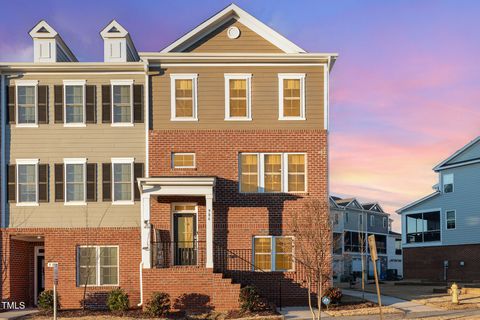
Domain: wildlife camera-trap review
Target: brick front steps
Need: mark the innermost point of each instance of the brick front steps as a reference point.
(192, 288)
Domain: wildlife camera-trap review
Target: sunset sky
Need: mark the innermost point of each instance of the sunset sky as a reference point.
(405, 90)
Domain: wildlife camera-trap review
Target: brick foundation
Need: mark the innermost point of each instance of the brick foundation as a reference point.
(416, 266)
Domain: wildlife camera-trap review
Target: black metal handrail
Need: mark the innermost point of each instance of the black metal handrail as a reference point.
(178, 253)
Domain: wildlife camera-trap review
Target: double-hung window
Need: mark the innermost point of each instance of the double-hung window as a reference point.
(74, 102)
(450, 218)
(273, 253)
(291, 89)
(75, 177)
(97, 266)
(27, 114)
(27, 181)
(448, 183)
(122, 106)
(183, 97)
(238, 97)
(272, 172)
(122, 180)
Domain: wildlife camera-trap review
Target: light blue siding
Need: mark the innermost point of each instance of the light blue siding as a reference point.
(469, 154)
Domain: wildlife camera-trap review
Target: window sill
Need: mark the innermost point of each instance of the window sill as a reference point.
(97, 285)
(183, 168)
(74, 125)
(183, 119)
(238, 119)
(122, 203)
(27, 204)
(75, 203)
(292, 118)
(122, 124)
(26, 126)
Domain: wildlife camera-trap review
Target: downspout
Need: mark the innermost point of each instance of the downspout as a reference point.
(3, 186)
(147, 117)
(141, 285)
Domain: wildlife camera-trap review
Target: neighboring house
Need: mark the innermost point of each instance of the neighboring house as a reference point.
(235, 143)
(353, 222)
(444, 226)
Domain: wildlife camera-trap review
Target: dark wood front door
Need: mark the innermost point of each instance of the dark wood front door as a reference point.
(184, 232)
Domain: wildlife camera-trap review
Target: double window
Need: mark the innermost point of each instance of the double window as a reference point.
(27, 103)
(182, 160)
(97, 266)
(273, 253)
(122, 102)
(291, 96)
(75, 177)
(184, 97)
(238, 97)
(74, 103)
(272, 172)
(122, 180)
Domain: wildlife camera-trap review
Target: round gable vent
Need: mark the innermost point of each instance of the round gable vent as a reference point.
(233, 32)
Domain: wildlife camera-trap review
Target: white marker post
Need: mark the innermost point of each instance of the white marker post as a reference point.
(54, 265)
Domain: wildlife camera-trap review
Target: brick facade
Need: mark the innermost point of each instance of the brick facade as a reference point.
(415, 266)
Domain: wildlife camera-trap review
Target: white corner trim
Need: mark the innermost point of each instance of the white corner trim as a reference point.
(3, 169)
(326, 98)
(183, 76)
(296, 76)
(238, 76)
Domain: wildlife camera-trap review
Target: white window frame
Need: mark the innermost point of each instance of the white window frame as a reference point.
(238, 76)
(294, 76)
(273, 253)
(67, 83)
(19, 162)
(183, 154)
(454, 219)
(130, 161)
(82, 161)
(183, 76)
(443, 182)
(114, 83)
(97, 263)
(26, 83)
(261, 172)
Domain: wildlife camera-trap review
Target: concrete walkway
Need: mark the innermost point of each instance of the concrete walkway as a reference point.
(16, 314)
(404, 305)
(299, 313)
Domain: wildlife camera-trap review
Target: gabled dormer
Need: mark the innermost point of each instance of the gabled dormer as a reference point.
(48, 45)
(117, 43)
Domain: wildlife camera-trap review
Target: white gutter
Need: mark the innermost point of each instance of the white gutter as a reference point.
(141, 285)
(3, 185)
(147, 118)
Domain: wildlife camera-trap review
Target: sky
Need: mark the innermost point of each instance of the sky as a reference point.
(404, 91)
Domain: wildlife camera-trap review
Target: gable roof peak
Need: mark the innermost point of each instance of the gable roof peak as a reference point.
(232, 11)
(114, 30)
(445, 163)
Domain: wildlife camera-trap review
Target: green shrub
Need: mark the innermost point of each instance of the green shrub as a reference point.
(45, 300)
(250, 299)
(335, 294)
(117, 300)
(159, 304)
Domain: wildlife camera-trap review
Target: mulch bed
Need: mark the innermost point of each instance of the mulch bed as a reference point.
(351, 306)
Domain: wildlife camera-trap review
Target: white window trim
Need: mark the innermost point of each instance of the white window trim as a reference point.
(26, 83)
(129, 161)
(443, 182)
(97, 262)
(285, 76)
(261, 171)
(74, 83)
(184, 167)
(180, 76)
(122, 83)
(238, 76)
(454, 219)
(273, 253)
(75, 161)
(26, 162)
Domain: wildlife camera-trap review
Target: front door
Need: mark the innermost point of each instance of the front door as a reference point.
(39, 271)
(185, 247)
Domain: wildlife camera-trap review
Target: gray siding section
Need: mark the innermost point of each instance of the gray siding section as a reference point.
(465, 200)
(353, 222)
(471, 153)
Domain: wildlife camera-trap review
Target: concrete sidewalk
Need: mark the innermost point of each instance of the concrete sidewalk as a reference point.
(16, 314)
(299, 313)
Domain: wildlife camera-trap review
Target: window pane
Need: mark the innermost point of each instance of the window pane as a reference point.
(122, 108)
(75, 182)
(273, 172)
(296, 172)
(283, 262)
(184, 98)
(183, 160)
(74, 104)
(283, 253)
(122, 177)
(263, 253)
(27, 183)
(238, 97)
(108, 265)
(26, 104)
(249, 173)
(87, 266)
(291, 98)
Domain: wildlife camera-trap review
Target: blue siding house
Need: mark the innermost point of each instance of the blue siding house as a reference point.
(441, 232)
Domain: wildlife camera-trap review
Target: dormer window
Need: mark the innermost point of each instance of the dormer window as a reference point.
(448, 183)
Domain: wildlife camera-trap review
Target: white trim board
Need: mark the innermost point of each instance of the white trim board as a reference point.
(235, 12)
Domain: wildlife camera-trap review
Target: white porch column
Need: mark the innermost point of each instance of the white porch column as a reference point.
(146, 231)
(209, 229)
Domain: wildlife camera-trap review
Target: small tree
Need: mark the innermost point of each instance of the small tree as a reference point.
(312, 229)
